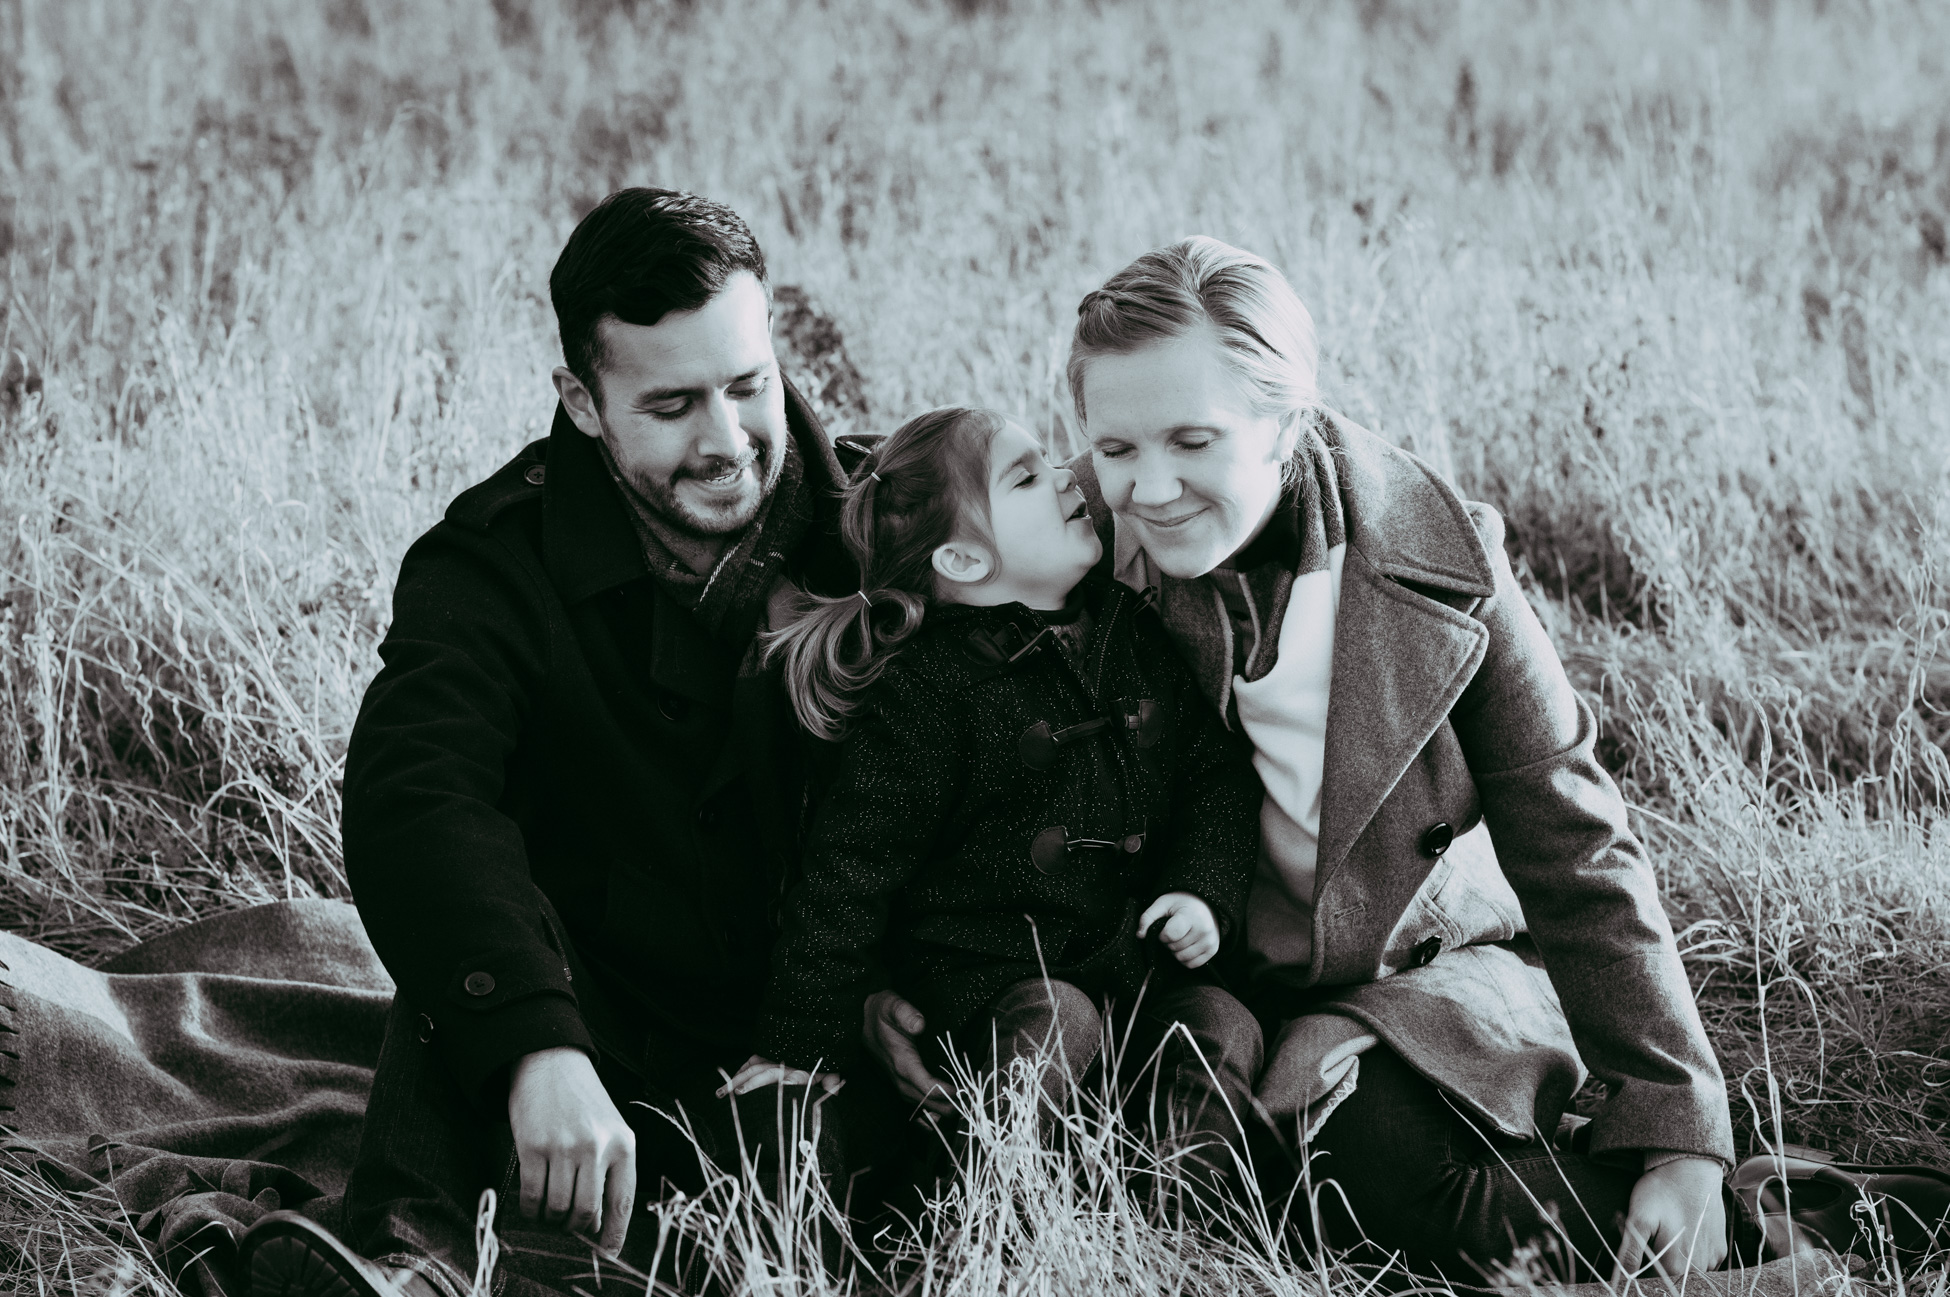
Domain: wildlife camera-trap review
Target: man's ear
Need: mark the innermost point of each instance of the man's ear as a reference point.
(579, 401)
(963, 562)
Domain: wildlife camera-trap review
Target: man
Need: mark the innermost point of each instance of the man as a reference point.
(571, 796)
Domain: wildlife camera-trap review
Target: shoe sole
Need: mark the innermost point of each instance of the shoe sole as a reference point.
(292, 1267)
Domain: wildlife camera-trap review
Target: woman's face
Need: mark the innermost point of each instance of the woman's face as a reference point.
(1180, 453)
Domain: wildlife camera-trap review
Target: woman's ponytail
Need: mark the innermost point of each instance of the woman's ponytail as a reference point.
(926, 482)
(836, 648)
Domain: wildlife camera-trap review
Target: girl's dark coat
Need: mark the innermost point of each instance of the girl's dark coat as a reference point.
(919, 872)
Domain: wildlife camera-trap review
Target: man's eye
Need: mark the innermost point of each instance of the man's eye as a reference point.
(748, 391)
(668, 412)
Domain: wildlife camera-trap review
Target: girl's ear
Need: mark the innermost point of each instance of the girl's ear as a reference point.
(964, 562)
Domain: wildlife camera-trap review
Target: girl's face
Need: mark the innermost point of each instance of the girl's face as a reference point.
(1043, 543)
(1180, 453)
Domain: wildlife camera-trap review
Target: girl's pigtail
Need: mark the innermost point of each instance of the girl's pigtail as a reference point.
(893, 515)
(835, 648)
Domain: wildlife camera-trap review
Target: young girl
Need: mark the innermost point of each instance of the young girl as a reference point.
(1030, 784)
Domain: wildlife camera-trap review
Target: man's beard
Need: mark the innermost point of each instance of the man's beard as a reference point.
(663, 497)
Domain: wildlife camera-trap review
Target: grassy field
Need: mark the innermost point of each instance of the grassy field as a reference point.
(1664, 281)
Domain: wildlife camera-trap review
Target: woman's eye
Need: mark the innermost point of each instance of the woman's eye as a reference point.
(1195, 445)
(1114, 452)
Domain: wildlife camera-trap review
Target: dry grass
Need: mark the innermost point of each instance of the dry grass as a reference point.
(1665, 282)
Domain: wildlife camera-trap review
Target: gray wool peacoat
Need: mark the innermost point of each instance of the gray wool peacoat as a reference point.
(1481, 904)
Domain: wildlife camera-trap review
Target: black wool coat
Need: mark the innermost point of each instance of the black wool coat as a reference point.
(937, 863)
(568, 814)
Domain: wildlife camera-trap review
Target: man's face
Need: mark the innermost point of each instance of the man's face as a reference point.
(693, 410)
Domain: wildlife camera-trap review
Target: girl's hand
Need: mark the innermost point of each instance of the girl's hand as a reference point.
(1188, 929)
(758, 1072)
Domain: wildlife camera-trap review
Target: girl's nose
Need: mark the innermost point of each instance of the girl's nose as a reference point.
(1066, 479)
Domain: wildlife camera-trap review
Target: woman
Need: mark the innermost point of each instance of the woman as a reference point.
(1430, 793)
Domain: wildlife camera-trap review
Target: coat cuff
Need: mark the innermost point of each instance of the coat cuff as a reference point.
(480, 1047)
(1658, 1157)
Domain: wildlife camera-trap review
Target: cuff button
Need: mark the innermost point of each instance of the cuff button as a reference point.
(479, 984)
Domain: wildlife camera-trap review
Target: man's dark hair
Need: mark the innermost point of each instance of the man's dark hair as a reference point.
(641, 254)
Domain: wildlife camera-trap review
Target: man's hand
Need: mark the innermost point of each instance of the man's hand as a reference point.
(1677, 1221)
(759, 1071)
(578, 1155)
(1189, 932)
(889, 1028)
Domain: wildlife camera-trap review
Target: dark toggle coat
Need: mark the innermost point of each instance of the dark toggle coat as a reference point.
(996, 809)
(558, 766)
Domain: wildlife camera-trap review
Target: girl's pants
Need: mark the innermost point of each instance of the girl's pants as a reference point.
(1187, 1056)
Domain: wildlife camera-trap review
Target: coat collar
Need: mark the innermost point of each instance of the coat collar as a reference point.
(588, 541)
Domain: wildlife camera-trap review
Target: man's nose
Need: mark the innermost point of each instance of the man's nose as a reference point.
(721, 437)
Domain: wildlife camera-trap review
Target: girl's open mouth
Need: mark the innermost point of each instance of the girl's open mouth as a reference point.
(1081, 511)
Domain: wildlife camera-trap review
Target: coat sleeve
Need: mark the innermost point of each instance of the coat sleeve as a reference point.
(876, 824)
(1215, 797)
(439, 869)
(1589, 896)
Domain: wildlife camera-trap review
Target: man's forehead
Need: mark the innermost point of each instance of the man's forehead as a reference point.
(728, 336)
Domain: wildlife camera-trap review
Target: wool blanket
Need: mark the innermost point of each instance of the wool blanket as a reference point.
(200, 1079)
(219, 1072)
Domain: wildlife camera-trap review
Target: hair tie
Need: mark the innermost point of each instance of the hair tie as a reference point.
(863, 598)
(875, 476)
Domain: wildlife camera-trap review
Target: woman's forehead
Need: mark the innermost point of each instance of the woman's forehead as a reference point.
(1174, 383)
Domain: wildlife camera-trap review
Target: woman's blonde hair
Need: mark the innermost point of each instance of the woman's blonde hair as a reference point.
(1244, 299)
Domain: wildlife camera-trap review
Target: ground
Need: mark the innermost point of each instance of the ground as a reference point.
(1665, 282)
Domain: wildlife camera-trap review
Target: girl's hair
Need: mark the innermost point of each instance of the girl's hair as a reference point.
(918, 490)
(1258, 318)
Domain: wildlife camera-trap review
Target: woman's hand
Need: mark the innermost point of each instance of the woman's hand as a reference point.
(578, 1155)
(759, 1072)
(889, 1028)
(1677, 1220)
(1189, 932)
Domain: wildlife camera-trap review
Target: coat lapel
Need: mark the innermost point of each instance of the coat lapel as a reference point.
(1403, 652)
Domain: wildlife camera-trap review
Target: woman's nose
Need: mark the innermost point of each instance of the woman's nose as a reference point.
(1154, 487)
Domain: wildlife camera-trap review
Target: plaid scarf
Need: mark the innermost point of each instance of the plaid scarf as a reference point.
(1227, 622)
(729, 598)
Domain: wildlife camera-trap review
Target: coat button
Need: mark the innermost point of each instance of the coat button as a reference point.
(1425, 952)
(479, 984)
(1437, 840)
(536, 475)
(707, 817)
(426, 1030)
(672, 706)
